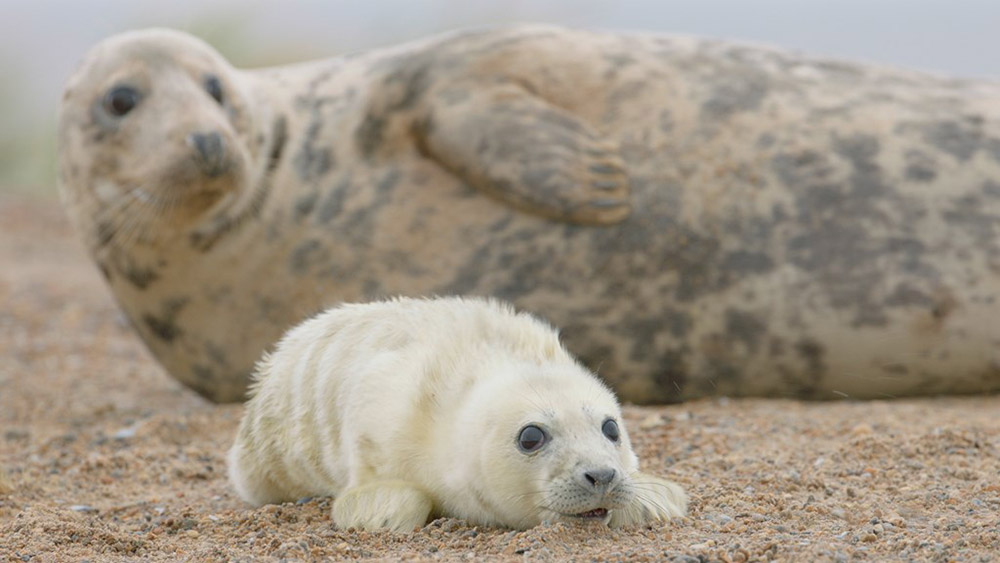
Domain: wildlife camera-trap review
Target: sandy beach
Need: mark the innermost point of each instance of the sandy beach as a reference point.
(104, 457)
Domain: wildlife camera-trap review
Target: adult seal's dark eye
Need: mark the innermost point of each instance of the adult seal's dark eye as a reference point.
(531, 438)
(120, 100)
(214, 87)
(610, 430)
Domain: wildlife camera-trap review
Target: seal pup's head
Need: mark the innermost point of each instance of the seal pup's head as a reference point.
(157, 135)
(550, 446)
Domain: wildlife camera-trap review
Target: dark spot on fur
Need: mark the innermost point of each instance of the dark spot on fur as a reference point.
(401, 89)
(279, 134)
(801, 168)
(105, 232)
(306, 255)
(369, 134)
(811, 352)
(920, 173)
(203, 373)
(216, 353)
(969, 215)
(671, 375)
(920, 167)
(766, 140)
(413, 78)
(643, 333)
(678, 322)
(333, 205)
(164, 329)
(305, 204)
(861, 150)
(665, 122)
(720, 370)
(734, 93)
(746, 328)
(312, 162)
(960, 139)
(991, 188)
(746, 262)
(139, 277)
(163, 325)
(388, 182)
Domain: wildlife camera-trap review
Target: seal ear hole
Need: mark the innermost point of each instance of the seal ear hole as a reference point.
(214, 87)
(610, 430)
(120, 100)
(531, 438)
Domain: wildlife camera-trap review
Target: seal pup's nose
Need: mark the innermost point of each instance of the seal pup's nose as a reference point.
(599, 478)
(211, 150)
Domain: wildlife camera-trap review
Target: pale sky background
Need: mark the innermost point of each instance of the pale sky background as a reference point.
(41, 40)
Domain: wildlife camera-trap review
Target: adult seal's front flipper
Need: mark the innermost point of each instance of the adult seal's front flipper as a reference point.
(524, 151)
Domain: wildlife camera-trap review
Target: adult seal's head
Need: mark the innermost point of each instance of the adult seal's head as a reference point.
(158, 139)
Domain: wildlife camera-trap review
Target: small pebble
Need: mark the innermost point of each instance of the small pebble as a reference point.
(82, 508)
(124, 433)
(703, 546)
(651, 421)
(862, 429)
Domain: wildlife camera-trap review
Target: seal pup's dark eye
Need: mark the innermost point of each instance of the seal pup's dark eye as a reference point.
(531, 438)
(213, 87)
(610, 429)
(120, 100)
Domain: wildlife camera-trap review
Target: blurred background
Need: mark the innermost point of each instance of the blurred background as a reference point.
(41, 40)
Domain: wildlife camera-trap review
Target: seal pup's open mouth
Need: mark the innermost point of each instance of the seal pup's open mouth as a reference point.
(597, 514)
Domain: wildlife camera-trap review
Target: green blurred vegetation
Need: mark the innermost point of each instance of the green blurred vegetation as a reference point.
(27, 147)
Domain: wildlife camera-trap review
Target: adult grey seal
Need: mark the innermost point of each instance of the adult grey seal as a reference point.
(410, 409)
(697, 217)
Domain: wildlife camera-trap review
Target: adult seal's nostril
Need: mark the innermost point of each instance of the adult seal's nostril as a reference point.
(211, 151)
(600, 477)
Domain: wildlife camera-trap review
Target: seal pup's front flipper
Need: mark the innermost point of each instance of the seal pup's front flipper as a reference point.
(398, 506)
(526, 152)
(656, 500)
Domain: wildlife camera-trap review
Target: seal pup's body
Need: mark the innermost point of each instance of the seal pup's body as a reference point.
(411, 408)
(697, 217)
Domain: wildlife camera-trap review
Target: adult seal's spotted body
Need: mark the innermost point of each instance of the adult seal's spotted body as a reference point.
(697, 217)
(410, 409)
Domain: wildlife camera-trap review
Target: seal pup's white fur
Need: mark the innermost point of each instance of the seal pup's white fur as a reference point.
(408, 409)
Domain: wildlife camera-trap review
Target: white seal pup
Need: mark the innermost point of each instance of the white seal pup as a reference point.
(408, 409)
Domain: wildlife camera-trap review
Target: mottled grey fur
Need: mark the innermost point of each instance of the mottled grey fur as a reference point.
(698, 217)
